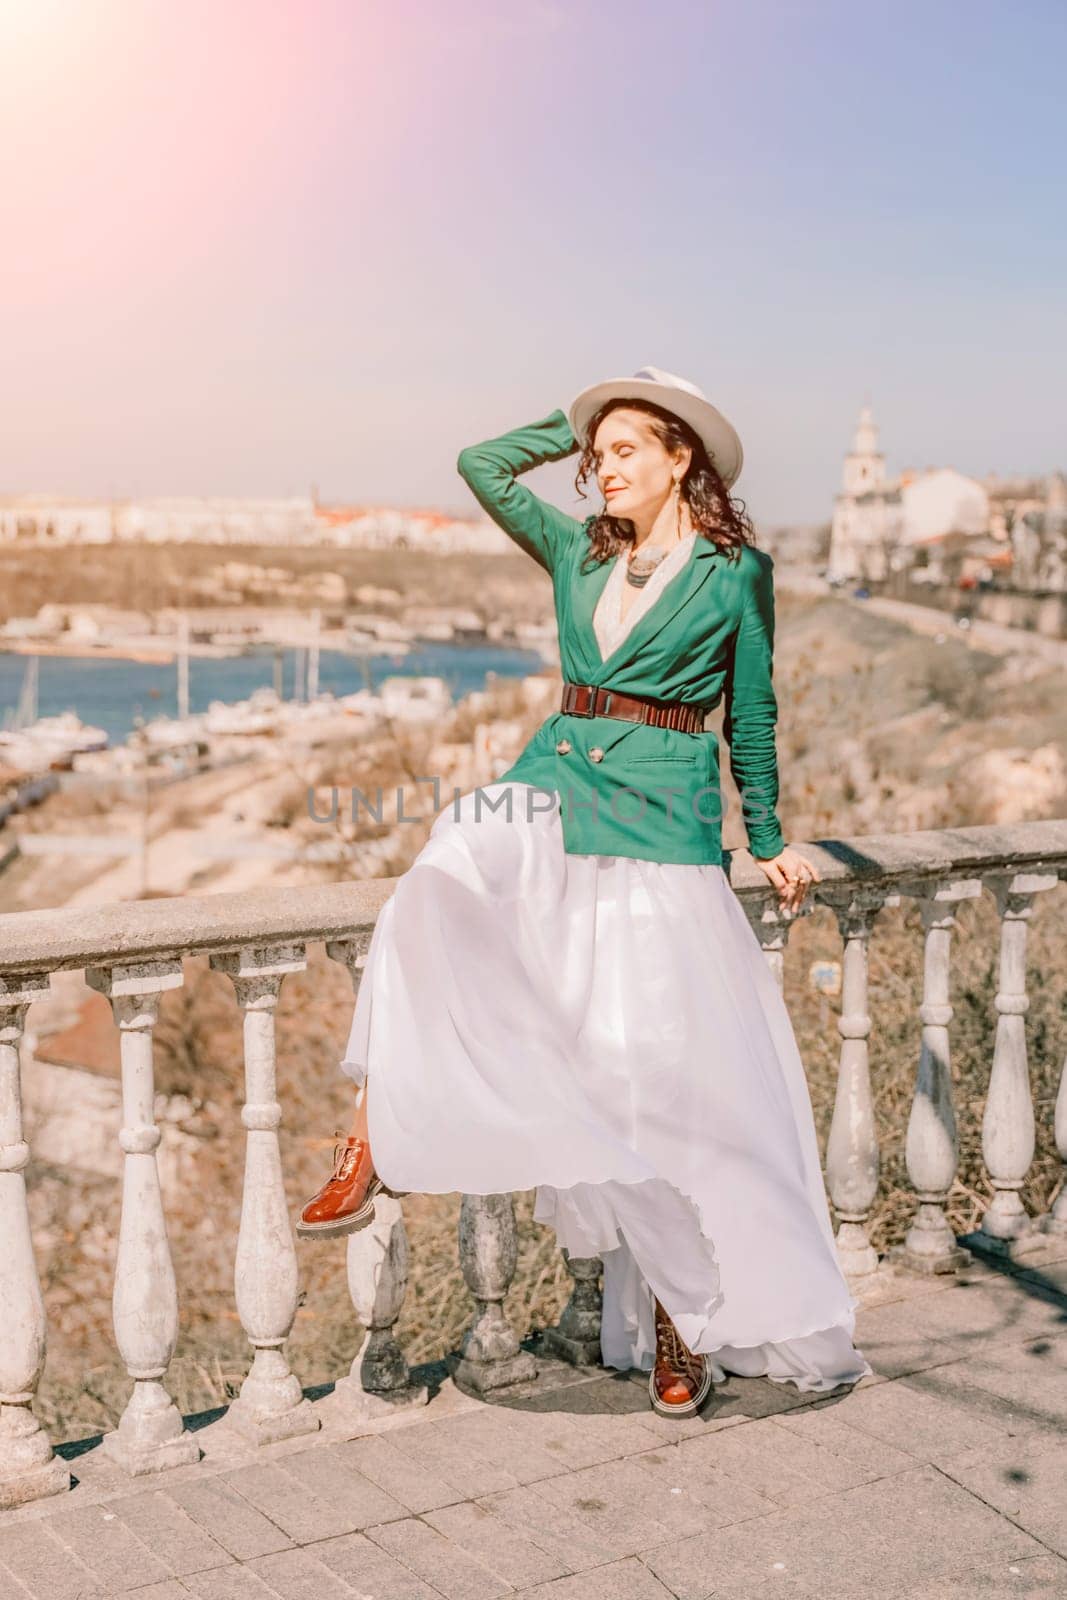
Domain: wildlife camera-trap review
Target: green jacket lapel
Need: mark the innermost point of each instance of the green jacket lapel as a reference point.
(678, 592)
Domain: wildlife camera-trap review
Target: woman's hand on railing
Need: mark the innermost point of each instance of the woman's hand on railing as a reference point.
(790, 873)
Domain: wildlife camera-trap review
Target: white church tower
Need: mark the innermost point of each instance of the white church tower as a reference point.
(865, 463)
(862, 514)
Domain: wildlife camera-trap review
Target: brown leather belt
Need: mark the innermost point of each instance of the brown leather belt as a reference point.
(587, 700)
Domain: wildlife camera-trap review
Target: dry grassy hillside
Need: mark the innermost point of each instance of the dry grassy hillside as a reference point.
(148, 578)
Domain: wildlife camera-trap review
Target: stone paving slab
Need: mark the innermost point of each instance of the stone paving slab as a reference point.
(229, 1583)
(284, 1500)
(409, 1483)
(941, 1477)
(298, 1575)
(1033, 1376)
(696, 1482)
(1019, 1392)
(176, 1538)
(584, 1439)
(784, 1467)
(822, 1426)
(333, 1482)
(925, 1426)
(369, 1570)
(622, 1580)
(230, 1520)
(116, 1556)
(170, 1590)
(1052, 1276)
(894, 1342)
(562, 1534)
(978, 1318)
(1036, 1578)
(468, 1471)
(1024, 1479)
(35, 1559)
(488, 1538)
(914, 1526)
(509, 1440)
(440, 1563)
(627, 1508)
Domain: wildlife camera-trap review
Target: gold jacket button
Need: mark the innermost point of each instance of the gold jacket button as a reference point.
(563, 747)
(596, 754)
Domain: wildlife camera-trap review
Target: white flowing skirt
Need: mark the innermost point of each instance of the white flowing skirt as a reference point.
(607, 1031)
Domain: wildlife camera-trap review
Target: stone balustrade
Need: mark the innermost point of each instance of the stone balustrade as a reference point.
(133, 953)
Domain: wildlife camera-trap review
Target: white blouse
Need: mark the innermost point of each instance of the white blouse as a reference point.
(609, 625)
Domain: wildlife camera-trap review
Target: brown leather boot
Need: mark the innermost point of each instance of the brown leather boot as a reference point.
(680, 1381)
(345, 1202)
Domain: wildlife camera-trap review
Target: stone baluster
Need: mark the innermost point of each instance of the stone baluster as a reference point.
(771, 927)
(932, 1149)
(150, 1436)
(379, 1381)
(490, 1357)
(576, 1336)
(1055, 1221)
(1008, 1133)
(28, 1468)
(271, 1404)
(852, 1148)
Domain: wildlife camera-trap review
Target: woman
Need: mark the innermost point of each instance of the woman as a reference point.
(563, 992)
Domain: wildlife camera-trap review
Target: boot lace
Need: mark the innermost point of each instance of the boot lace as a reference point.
(674, 1352)
(344, 1158)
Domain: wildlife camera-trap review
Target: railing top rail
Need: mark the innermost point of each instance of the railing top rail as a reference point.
(145, 930)
(905, 858)
(148, 930)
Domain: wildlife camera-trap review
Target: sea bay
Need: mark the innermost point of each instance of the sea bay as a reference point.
(113, 694)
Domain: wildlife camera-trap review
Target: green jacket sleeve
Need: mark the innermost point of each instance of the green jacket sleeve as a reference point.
(491, 471)
(750, 715)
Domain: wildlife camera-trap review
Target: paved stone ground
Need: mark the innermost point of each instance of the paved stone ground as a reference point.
(943, 1477)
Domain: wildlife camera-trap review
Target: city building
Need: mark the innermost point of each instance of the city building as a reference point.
(883, 524)
(40, 520)
(1039, 541)
(867, 516)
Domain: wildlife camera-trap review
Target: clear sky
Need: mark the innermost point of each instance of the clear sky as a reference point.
(253, 245)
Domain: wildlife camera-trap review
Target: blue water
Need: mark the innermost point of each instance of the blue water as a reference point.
(111, 694)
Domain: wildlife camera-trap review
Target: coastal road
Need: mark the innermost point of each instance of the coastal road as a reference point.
(982, 635)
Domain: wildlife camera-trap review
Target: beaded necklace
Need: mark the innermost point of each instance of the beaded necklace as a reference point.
(639, 568)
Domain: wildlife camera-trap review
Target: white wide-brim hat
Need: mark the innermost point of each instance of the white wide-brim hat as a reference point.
(674, 394)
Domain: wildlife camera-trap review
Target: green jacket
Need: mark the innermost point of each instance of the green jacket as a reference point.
(654, 793)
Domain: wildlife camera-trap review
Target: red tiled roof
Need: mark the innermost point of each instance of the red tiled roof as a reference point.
(335, 515)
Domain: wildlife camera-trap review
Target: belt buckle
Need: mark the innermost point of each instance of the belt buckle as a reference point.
(573, 697)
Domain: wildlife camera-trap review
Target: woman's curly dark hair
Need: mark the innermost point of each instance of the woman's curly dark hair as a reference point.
(715, 514)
